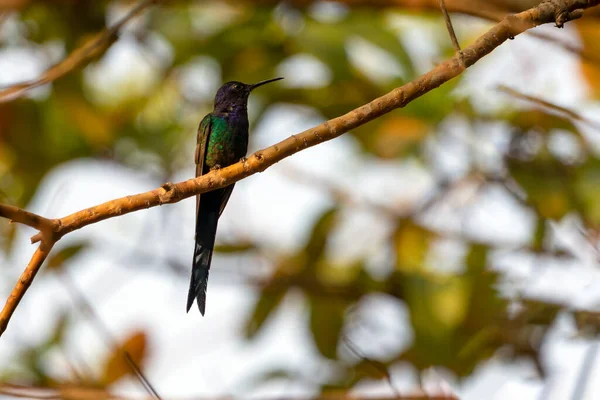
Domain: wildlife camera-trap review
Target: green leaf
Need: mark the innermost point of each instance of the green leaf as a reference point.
(587, 187)
(326, 323)
(476, 258)
(8, 236)
(541, 120)
(266, 304)
(539, 235)
(318, 238)
(547, 184)
(58, 259)
(435, 105)
(485, 304)
(60, 330)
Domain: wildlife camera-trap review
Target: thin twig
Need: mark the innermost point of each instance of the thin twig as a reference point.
(57, 392)
(449, 26)
(79, 57)
(574, 115)
(378, 366)
(24, 393)
(585, 53)
(475, 8)
(261, 160)
(80, 300)
(74, 392)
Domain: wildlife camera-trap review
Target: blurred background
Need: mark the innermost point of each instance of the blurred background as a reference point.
(451, 246)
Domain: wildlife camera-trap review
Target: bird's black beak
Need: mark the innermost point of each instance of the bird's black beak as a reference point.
(252, 87)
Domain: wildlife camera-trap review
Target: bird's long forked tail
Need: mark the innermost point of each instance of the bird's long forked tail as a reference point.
(206, 230)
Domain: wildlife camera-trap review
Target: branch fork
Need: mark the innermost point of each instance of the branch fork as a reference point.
(566, 11)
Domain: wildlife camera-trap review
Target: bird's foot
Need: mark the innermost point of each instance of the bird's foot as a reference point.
(243, 159)
(215, 167)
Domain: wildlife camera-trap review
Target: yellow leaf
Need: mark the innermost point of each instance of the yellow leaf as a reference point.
(412, 246)
(554, 205)
(398, 132)
(117, 366)
(589, 33)
(336, 273)
(95, 127)
(7, 158)
(449, 303)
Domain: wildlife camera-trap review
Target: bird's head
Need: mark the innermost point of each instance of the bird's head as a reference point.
(235, 94)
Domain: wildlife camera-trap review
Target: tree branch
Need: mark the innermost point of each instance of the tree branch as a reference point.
(79, 57)
(557, 11)
(15, 214)
(23, 284)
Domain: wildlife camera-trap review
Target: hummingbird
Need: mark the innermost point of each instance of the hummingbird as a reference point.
(222, 141)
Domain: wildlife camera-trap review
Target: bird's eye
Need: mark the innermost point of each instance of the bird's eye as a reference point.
(235, 86)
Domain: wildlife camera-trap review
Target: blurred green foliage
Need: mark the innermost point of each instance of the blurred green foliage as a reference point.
(459, 319)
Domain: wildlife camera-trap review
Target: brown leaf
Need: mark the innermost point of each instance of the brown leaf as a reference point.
(117, 365)
(95, 128)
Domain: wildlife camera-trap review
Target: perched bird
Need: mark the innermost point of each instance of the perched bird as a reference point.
(222, 141)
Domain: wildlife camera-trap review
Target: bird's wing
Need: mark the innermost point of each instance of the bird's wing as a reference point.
(202, 141)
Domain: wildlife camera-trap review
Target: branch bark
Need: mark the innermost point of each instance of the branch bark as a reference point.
(557, 11)
(23, 284)
(15, 214)
(79, 57)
